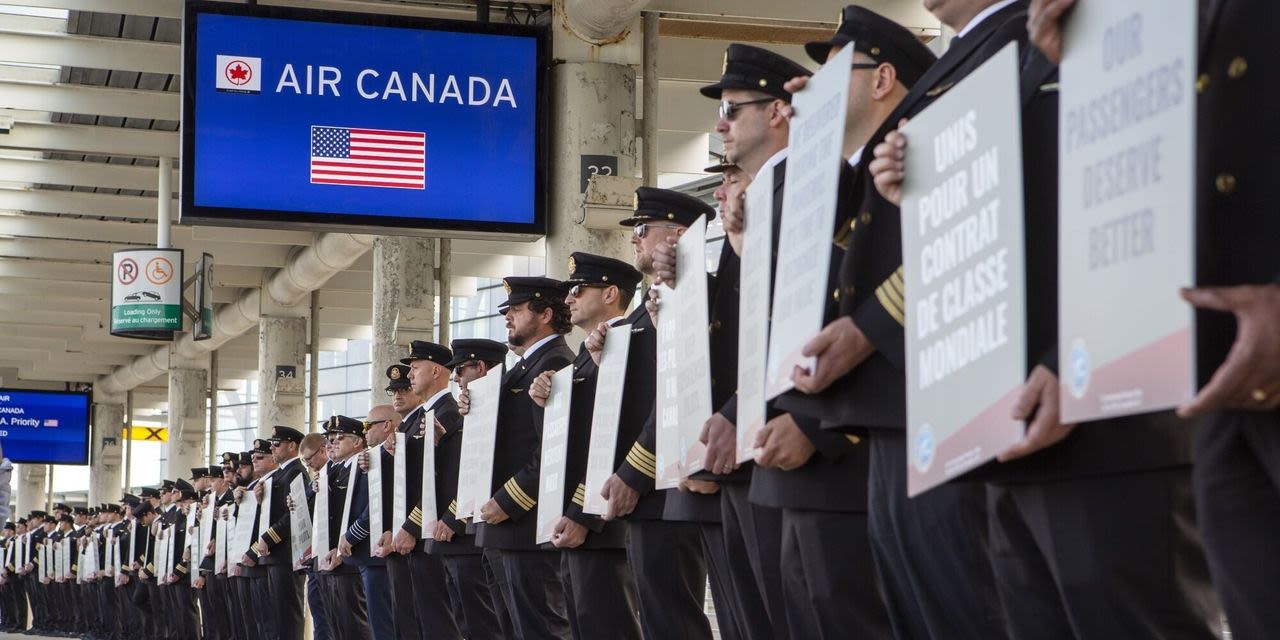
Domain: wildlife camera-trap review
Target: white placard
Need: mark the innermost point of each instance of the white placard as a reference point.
(116, 567)
(300, 534)
(320, 543)
(244, 527)
(610, 384)
(753, 311)
(479, 437)
(684, 363)
(430, 510)
(220, 544)
(375, 495)
(400, 482)
(1126, 145)
(347, 499)
(808, 214)
(91, 560)
(207, 519)
(963, 275)
(193, 536)
(163, 554)
(133, 548)
(266, 517)
(555, 443)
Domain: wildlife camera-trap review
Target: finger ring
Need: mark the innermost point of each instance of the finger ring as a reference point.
(1259, 395)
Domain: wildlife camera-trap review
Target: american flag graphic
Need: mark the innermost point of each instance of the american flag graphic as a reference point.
(368, 157)
(51, 422)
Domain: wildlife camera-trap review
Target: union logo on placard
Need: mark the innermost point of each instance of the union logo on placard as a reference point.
(926, 448)
(1080, 368)
(239, 74)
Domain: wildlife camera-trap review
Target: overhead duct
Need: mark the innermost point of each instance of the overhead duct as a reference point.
(600, 22)
(306, 272)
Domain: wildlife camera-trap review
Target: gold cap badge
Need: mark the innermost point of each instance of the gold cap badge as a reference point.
(724, 68)
(635, 202)
(573, 265)
(395, 373)
(507, 286)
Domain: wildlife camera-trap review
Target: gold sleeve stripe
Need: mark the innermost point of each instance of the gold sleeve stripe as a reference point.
(643, 466)
(453, 508)
(580, 495)
(182, 568)
(274, 536)
(642, 453)
(518, 494)
(889, 293)
(852, 438)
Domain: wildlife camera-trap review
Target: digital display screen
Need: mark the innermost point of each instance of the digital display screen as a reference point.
(296, 118)
(44, 427)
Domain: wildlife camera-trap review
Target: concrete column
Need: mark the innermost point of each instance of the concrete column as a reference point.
(188, 416)
(595, 105)
(282, 342)
(106, 451)
(29, 481)
(403, 278)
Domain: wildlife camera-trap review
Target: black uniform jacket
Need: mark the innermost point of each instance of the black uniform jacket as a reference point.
(518, 453)
(871, 286)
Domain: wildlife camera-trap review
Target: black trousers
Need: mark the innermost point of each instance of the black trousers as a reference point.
(1237, 490)
(108, 605)
(930, 551)
(471, 587)
(671, 578)
(754, 532)
(214, 611)
(158, 617)
(495, 579)
(344, 605)
(315, 603)
(404, 602)
(184, 609)
(602, 594)
(1114, 556)
(532, 591)
(724, 592)
(250, 623)
(430, 593)
(266, 618)
(131, 620)
(829, 579)
(284, 593)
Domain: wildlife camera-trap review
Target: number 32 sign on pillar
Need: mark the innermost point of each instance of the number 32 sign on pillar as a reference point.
(597, 165)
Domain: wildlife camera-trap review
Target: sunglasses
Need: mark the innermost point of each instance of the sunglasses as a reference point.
(576, 290)
(641, 230)
(729, 110)
(368, 425)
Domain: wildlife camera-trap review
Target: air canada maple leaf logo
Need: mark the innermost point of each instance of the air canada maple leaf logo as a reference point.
(238, 74)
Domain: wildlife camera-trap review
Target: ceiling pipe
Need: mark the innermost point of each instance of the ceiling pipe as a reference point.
(601, 22)
(308, 271)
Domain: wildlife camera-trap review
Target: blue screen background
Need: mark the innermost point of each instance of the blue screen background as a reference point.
(253, 151)
(66, 443)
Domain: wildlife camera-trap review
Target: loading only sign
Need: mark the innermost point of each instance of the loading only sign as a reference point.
(146, 294)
